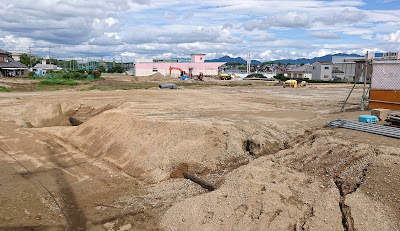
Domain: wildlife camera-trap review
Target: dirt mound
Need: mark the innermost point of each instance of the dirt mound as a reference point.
(260, 196)
(322, 182)
(152, 150)
(367, 176)
(154, 77)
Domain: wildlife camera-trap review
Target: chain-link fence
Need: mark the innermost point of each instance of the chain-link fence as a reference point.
(386, 75)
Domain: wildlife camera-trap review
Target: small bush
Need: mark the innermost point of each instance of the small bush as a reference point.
(256, 76)
(281, 77)
(74, 75)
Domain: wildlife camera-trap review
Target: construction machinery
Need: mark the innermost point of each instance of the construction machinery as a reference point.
(295, 83)
(225, 76)
(200, 77)
(175, 68)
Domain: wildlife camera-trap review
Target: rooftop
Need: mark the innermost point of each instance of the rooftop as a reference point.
(3, 52)
(11, 63)
(304, 68)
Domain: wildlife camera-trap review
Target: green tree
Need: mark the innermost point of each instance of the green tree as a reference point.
(24, 59)
(53, 61)
(280, 76)
(102, 69)
(116, 69)
(301, 64)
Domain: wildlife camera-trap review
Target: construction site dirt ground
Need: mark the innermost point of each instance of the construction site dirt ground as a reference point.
(265, 149)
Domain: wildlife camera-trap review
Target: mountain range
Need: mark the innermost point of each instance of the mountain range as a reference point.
(285, 61)
(228, 59)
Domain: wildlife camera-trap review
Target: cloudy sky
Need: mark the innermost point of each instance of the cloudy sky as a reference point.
(267, 29)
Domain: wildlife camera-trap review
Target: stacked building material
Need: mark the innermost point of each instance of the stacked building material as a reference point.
(366, 127)
(394, 118)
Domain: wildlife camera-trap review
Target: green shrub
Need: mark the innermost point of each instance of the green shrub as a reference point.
(58, 82)
(74, 75)
(281, 77)
(4, 89)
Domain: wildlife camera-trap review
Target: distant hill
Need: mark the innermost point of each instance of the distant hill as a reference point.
(228, 59)
(323, 58)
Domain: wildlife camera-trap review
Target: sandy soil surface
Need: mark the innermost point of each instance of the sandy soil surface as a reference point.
(264, 148)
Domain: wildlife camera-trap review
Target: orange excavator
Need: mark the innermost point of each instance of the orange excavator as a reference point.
(175, 68)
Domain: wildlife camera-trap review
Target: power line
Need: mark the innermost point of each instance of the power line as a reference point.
(30, 173)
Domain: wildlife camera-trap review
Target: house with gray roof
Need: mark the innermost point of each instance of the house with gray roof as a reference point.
(9, 67)
(41, 69)
(304, 72)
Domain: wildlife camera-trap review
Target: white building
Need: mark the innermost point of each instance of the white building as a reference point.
(322, 70)
(145, 67)
(16, 55)
(391, 55)
(346, 64)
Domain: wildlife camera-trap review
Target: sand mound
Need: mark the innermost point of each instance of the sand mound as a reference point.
(152, 150)
(154, 77)
(260, 196)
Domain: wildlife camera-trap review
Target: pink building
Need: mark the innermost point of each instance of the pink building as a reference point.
(145, 67)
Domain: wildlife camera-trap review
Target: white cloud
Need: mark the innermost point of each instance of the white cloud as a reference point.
(288, 20)
(263, 38)
(268, 29)
(392, 37)
(111, 21)
(325, 35)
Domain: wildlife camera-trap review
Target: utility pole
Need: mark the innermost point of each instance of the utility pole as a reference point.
(30, 55)
(49, 56)
(248, 63)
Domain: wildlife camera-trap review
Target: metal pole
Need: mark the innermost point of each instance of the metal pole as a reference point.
(365, 81)
(354, 85)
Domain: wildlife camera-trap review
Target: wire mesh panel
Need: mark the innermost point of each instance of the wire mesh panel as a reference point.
(386, 75)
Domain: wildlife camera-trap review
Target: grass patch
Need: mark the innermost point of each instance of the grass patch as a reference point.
(4, 89)
(185, 84)
(102, 87)
(53, 82)
(241, 85)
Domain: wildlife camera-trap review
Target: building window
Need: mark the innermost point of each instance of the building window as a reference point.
(300, 75)
(155, 70)
(326, 76)
(326, 68)
(313, 68)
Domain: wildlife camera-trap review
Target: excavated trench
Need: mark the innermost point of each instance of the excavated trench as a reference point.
(52, 115)
(251, 148)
